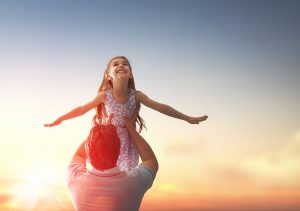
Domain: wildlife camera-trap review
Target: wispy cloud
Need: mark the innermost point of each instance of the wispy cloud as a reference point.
(186, 147)
(280, 166)
(272, 170)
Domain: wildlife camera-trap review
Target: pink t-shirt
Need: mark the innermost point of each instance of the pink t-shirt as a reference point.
(110, 190)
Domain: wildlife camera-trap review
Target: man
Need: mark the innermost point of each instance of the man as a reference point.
(105, 187)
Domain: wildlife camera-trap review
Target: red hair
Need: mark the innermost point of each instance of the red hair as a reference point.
(103, 146)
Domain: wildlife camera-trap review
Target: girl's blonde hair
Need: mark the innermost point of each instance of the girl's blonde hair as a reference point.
(107, 84)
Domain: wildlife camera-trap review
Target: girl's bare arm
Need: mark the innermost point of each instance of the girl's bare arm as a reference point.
(166, 109)
(80, 110)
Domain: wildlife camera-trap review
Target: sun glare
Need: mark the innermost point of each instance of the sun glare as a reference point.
(25, 195)
(34, 188)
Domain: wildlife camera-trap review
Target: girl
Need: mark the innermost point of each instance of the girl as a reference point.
(117, 95)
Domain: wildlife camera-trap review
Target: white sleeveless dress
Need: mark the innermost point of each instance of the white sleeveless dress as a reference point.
(129, 156)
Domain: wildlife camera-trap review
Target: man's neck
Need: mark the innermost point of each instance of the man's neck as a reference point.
(105, 172)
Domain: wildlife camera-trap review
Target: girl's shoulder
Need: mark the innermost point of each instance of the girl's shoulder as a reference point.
(139, 94)
(136, 91)
(101, 96)
(102, 93)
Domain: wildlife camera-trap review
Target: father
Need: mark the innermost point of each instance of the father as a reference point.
(105, 187)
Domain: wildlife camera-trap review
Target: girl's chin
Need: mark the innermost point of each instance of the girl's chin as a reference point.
(122, 76)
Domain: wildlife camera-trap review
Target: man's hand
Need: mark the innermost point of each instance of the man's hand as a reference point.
(144, 149)
(130, 122)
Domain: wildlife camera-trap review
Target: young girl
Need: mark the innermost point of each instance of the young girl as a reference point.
(117, 95)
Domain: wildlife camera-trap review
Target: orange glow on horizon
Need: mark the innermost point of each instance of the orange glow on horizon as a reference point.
(27, 196)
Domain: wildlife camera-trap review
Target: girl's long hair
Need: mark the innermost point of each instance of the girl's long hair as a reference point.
(107, 84)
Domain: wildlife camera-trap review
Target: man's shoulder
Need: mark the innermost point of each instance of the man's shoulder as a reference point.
(74, 171)
(142, 174)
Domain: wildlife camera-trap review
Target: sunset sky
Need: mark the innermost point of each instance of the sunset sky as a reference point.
(235, 61)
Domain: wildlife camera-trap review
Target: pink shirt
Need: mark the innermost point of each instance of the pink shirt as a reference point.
(110, 190)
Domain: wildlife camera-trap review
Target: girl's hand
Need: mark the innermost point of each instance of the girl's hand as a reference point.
(106, 124)
(56, 122)
(196, 120)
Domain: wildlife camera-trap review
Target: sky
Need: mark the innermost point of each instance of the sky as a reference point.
(235, 61)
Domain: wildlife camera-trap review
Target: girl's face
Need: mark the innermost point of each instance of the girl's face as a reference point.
(119, 67)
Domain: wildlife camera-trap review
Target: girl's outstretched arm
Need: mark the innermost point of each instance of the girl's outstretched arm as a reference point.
(80, 110)
(167, 110)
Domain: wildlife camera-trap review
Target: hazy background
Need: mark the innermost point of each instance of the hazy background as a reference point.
(235, 61)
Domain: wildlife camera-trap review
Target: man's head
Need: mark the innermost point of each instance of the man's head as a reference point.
(103, 147)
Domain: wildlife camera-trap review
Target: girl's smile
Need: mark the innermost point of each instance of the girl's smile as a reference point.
(121, 70)
(120, 67)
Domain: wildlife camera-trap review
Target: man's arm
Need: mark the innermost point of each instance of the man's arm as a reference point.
(145, 151)
(80, 155)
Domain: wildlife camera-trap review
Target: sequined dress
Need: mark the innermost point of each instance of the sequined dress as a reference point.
(128, 153)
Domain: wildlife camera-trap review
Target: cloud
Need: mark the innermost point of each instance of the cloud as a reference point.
(273, 169)
(167, 188)
(281, 166)
(292, 148)
(186, 147)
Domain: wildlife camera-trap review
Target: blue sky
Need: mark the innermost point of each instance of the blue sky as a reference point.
(260, 37)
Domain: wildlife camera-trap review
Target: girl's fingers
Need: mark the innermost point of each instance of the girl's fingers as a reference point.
(110, 118)
(107, 120)
(103, 113)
